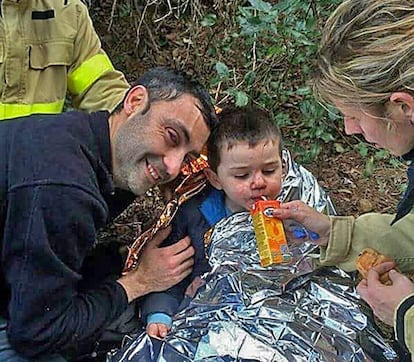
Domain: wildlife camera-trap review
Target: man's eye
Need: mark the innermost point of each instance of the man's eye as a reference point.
(269, 171)
(173, 136)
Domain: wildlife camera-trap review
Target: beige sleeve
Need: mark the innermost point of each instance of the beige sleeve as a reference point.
(409, 330)
(102, 87)
(349, 236)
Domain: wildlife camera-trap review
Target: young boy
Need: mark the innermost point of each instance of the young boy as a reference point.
(244, 153)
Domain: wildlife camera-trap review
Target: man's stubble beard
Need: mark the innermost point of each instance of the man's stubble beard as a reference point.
(129, 168)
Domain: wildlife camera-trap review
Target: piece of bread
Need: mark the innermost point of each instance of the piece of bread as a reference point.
(367, 259)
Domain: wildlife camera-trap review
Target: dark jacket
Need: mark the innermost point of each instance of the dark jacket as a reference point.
(405, 310)
(194, 218)
(55, 186)
(406, 203)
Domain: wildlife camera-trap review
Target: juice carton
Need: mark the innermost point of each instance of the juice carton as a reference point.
(270, 235)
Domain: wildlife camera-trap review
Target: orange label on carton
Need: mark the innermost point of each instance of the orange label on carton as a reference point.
(270, 234)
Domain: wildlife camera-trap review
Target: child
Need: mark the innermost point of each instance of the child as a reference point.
(245, 157)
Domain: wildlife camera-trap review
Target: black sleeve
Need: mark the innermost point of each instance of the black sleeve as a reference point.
(400, 325)
(48, 232)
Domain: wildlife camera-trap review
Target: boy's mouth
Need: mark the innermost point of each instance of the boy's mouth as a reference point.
(259, 198)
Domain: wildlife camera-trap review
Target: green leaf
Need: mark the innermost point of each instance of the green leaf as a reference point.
(314, 150)
(275, 50)
(260, 5)
(369, 167)
(303, 91)
(382, 154)
(241, 98)
(250, 77)
(222, 70)
(209, 20)
(362, 149)
(339, 147)
(327, 137)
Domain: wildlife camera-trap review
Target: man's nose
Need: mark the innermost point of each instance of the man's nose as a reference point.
(173, 162)
(351, 126)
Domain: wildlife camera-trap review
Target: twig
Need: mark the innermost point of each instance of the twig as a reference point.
(140, 23)
(112, 15)
(166, 15)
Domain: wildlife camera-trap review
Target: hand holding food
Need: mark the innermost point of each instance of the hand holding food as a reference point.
(368, 258)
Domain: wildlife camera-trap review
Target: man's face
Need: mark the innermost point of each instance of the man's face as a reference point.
(150, 149)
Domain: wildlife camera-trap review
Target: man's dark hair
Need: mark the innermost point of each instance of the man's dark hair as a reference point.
(164, 83)
(247, 124)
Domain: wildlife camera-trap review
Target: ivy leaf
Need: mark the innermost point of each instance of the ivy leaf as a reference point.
(222, 70)
(302, 91)
(241, 98)
(209, 20)
(250, 77)
(260, 5)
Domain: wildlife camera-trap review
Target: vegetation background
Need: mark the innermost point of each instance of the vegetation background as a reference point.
(260, 52)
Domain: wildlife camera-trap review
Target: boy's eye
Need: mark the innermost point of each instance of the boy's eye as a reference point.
(269, 171)
(172, 136)
(241, 176)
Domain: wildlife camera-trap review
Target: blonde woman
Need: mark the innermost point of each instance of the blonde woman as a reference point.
(366, 70)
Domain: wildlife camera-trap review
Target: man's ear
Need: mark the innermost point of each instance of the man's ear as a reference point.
(136, 100)
(405, 102)
(213, 178)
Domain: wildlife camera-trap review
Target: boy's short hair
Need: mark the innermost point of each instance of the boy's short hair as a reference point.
(245, 124)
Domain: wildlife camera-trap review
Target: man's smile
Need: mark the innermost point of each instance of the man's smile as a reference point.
(153, 172)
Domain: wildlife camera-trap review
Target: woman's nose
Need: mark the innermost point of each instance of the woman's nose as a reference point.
(351, 126)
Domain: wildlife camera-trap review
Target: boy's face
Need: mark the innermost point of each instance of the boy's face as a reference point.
(246, 173)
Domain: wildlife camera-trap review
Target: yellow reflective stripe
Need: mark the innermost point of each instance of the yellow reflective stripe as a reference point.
(13, 110)
(88, 72)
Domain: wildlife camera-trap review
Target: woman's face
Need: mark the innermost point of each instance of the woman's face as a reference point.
(394, 132)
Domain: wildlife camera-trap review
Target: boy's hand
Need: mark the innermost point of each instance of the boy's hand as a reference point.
(305, 215)
(157, 330)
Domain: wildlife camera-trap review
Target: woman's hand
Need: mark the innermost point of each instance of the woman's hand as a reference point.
(384, 299)
(311, 219)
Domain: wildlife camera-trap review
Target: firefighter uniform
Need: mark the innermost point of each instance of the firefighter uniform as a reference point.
(50, 47)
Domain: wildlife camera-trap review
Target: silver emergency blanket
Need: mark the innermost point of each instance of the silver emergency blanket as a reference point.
(245, 312)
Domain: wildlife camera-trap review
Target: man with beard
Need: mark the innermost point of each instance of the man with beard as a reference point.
(58, 180)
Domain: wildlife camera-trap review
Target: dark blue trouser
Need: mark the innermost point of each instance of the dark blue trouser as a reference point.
(8, 354)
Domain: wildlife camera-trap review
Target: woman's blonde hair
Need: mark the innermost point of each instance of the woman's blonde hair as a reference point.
(366, 52)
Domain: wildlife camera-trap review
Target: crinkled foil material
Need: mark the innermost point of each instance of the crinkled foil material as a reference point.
(245, 312)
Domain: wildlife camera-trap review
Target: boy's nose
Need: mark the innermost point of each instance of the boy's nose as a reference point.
(258, 181)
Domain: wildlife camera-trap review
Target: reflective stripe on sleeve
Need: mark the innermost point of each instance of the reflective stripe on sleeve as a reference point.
(13, 110)
(88, 72)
